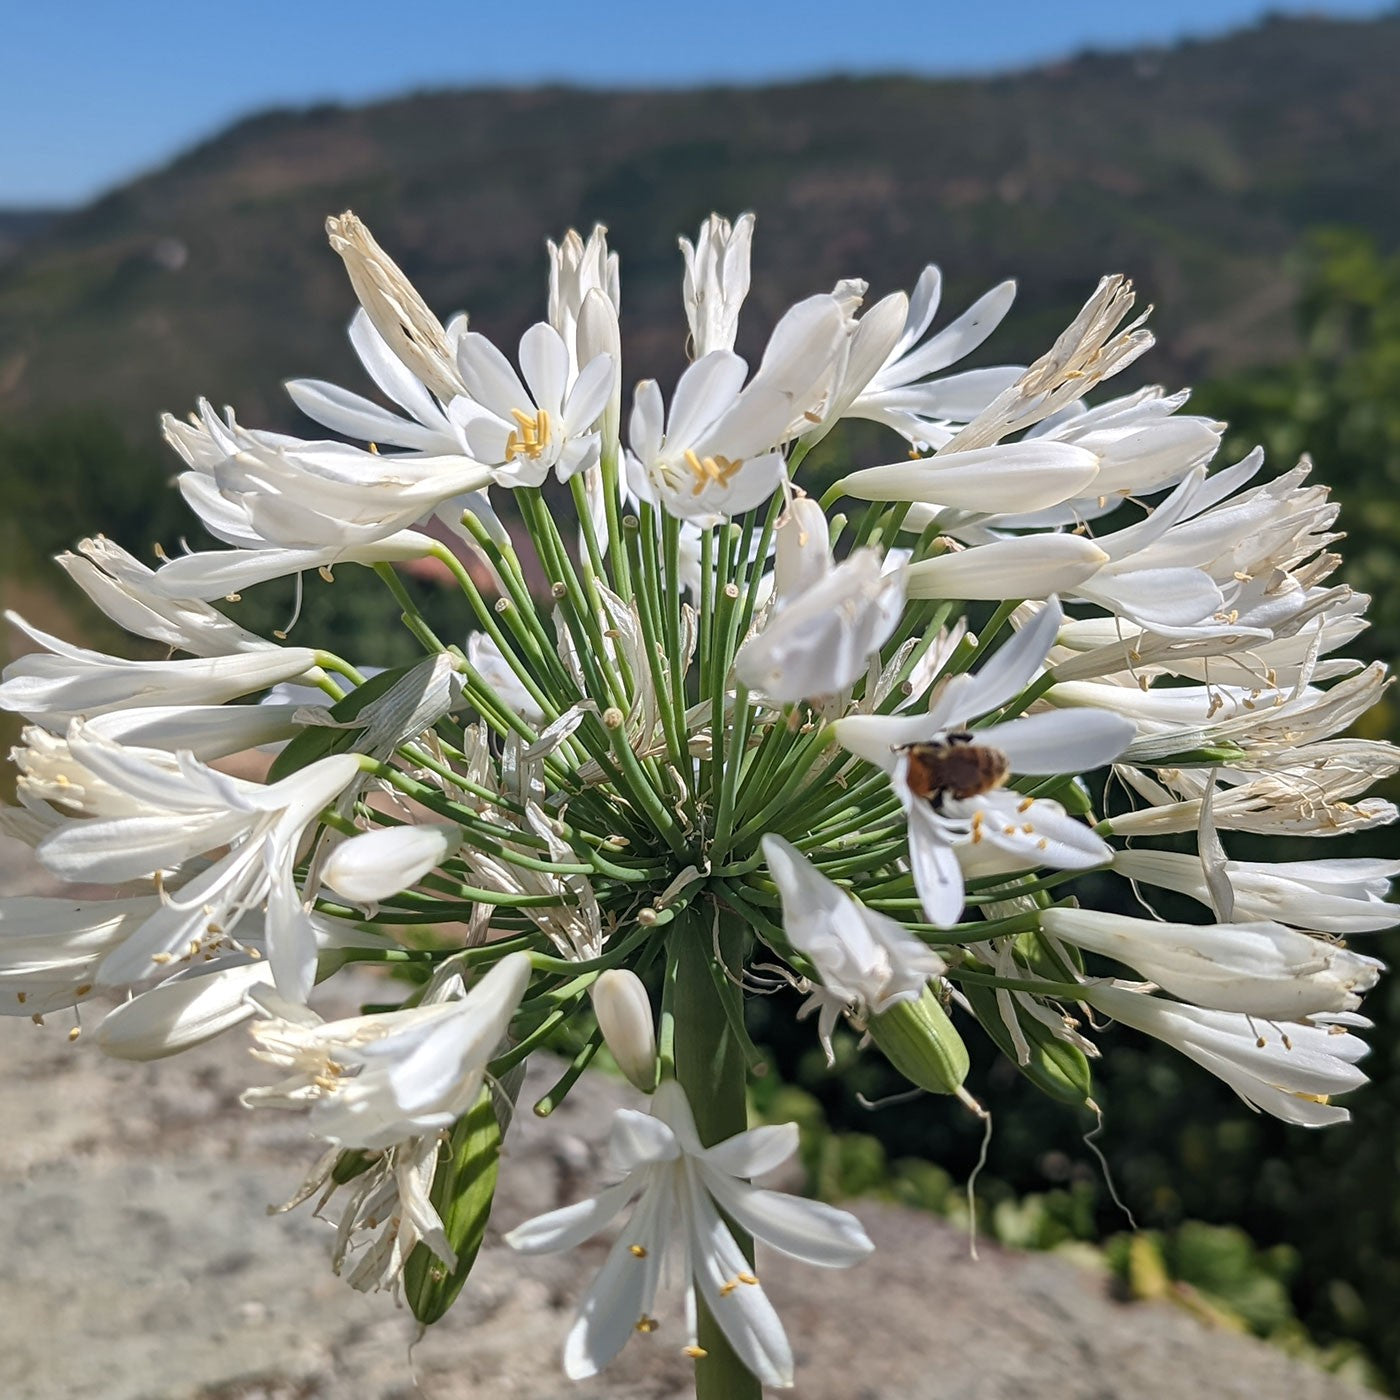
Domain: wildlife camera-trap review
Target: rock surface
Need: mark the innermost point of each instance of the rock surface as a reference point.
(140, 1264)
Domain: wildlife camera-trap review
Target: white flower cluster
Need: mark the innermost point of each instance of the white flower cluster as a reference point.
(739, 722)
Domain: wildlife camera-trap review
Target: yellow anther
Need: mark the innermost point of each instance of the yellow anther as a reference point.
(647, 1324)
(22, 997)
(637, 1251)
(531, 435)
(1026, 804)
(747, 1278)
(694, 1352)
(726, 1288)
(708, 469)
(74, 1034)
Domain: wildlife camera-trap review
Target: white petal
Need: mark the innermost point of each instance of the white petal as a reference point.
(572, 1225)
(937, 874)
(752, 1153)
(808, 1230)
(1030, 566)
(1044, 743)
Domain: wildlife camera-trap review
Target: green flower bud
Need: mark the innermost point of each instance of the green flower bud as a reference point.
(919, 1040)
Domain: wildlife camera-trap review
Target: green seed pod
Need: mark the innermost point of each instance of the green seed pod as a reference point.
(919, 1040)
(463, 1190)
(1056, 1068)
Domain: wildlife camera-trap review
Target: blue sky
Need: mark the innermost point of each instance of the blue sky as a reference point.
(95, 90)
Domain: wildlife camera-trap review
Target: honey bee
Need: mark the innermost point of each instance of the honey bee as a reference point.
(954, 766)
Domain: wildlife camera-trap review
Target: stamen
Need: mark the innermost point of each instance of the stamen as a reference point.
(645, 1324)
(637, 1251)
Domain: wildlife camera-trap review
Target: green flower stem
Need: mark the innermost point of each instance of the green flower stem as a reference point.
(586, 526)
(1069, 991)
(969, 651)
(581, 613)
(733, 764)
(709, 1063)
(486, 616)
(649, 611)
(329, 661)
(410, 616)
(612, 496)
(431, 798)
(1038, 687)
(546, 1105)
(755, 559)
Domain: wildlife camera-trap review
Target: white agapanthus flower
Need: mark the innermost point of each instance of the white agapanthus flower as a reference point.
(180, 809)
(972, 807)
(710, 728)
(1259, 968)
(820, 641)
(1291, 1070)
(376, 1081)
(547, 424)
(867, 962)
(681, 1187)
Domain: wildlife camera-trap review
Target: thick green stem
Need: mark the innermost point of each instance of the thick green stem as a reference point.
(710, 1066)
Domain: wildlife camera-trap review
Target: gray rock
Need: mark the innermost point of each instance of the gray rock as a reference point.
(141, 1265)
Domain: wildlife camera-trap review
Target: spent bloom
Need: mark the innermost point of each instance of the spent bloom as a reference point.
(689, 725)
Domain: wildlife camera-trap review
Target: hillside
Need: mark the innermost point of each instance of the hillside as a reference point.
(1195, 169)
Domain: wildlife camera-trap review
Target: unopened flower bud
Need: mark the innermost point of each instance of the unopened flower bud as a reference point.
(613, 718)
(920, 1041)
(803, 553)
(623, 1009)
(380, 863)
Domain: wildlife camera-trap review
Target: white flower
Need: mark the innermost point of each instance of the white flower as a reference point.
(903, 395)
(206, 731)
(623, 1009)
(64, 681)
(683, 1187)
(1089, 350)
(125, 589)
(1033, 474)
(584, 304)
(50, 947)
(1024, 566)
(375, 1081)
(1261, 968)
(179, 808)
(820, 641)
(380, 863)
(716, 282)
(867, 962)
(523, 432)
(716, 453)
(184, 1012)
(1290, 1070)
(1332, 896)
(427, 429)
(1028, 831)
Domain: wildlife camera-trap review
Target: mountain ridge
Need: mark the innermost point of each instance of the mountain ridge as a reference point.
(1195, 168)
